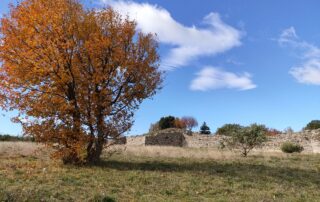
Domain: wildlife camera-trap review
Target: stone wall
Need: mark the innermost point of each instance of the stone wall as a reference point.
(310, 140)
(136, 140)
(203, 141)
(121, 140)
(168, 137)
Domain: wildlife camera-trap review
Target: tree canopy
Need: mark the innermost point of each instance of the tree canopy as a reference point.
(76, 76)
(246, 138)
(312, 125)
(229, 129)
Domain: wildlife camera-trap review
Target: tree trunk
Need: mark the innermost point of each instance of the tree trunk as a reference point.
(93, 156)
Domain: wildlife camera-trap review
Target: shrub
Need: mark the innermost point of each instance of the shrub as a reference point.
(204, 129)
(289, 147)
(246, 139)
(167, 122)
(312, 125)
(229, 129)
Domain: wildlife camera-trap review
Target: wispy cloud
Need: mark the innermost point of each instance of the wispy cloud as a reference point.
(234, 62)
(211, 78)
(188, 43)
(309, 71)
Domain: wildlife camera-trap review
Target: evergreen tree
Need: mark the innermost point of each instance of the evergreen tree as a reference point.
(204, 129)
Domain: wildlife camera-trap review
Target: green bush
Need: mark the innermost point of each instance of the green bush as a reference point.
(229, 129)
(315, 124)
(289, 147)
(167, 122)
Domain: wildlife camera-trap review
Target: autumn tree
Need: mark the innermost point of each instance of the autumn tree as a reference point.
(189, 122)
(179, 123)
(76, 76)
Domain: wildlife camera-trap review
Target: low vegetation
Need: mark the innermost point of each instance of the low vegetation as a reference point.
(289, 147)
(141, 174)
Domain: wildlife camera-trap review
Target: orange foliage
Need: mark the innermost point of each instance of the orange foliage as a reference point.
(75, 75)
(189, 122)
(178, 123)
(273, 132)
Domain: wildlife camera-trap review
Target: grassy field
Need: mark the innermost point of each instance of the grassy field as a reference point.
(160, 174)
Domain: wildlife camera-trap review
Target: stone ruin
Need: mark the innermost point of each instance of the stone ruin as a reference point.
(310, 140)
(167, 137)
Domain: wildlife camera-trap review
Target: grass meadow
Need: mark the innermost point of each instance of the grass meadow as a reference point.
(159, 174)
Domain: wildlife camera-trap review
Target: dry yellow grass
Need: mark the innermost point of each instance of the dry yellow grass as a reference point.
(154, 173)
(19, 148)
(189, 153)
(31, 149)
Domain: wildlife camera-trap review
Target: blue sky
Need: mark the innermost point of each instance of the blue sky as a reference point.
(228, 61)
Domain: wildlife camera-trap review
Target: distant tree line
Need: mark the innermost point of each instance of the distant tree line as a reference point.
(11, 138)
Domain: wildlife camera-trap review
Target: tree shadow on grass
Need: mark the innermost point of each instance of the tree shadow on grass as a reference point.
(236, 170)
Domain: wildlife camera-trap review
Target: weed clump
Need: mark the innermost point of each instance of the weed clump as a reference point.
(289, 147)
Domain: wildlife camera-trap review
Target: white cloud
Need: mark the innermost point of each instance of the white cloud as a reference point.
(188, 43)
(211, 78)
(309, 71)
(288, 36)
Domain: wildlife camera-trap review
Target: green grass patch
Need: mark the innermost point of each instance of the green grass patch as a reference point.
(128, 178)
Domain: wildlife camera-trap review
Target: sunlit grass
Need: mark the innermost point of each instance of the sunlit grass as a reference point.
(142, 177)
